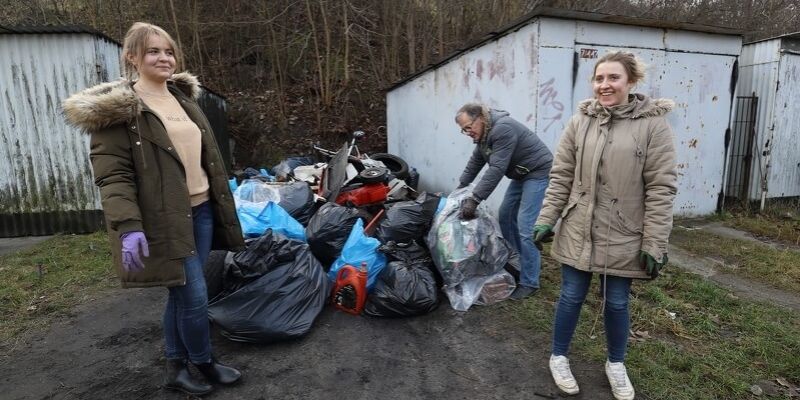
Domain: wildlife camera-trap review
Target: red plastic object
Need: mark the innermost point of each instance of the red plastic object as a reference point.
(350, 289)
(368, 194)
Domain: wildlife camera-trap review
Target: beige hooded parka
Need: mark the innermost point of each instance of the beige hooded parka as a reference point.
(612, 185)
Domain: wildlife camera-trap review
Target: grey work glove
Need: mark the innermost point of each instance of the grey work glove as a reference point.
(649, 263)
(468, 208)
(542, 234)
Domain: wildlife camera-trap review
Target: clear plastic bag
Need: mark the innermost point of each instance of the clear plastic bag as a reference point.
(468, 254)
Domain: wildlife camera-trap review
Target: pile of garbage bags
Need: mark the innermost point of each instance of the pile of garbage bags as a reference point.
(413, 246)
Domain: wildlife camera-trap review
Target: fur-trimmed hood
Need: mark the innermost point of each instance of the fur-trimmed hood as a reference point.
(112, 103)
(641, 106)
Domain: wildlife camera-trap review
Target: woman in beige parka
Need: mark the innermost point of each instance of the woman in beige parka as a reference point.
(612, 186)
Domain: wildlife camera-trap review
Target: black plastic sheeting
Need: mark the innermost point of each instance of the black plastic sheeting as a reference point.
(272, 291)
(408, 220)
(406, 286)
(328, 230)
(298, 200)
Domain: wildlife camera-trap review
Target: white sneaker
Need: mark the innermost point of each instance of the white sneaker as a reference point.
(562, 375)
(621, 386)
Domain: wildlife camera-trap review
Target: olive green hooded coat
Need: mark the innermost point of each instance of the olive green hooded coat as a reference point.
(142, 181)
(612, 185)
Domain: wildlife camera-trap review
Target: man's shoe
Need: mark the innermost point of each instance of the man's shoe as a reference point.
(179, 378)
(562, 375)
(522, 292)
(621, 386)
(218, 373)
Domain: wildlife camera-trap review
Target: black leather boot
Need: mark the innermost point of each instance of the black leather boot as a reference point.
(179, 378)
(218, 373)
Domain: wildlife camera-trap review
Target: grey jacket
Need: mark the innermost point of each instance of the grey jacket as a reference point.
(506, 147)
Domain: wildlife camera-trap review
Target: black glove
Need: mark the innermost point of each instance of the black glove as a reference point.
(468, 207)
(462, 185)
(542, 234)
(648, 263)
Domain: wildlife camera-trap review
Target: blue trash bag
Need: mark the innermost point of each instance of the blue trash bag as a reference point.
(232, 184)
(357, 249)
(256, 218)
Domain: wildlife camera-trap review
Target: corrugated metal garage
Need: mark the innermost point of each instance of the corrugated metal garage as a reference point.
(765, 161)
(539, 68)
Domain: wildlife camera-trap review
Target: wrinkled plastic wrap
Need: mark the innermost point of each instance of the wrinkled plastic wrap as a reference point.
(357, 249)
(273, 290)
(408, 220)
(328, 230)
(406, 287)
(298, 200)
(468, 254)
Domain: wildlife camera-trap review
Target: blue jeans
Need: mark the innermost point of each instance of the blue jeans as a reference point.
(518, 213)
(186, 329)
(574, 286)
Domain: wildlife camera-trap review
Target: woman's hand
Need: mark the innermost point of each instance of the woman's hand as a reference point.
(649, 263)
(542, 234)
(134, 245)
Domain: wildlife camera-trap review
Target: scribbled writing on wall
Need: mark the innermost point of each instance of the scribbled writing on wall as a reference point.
(552, 108)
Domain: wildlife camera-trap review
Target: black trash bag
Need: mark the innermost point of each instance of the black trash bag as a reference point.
(274, 291)
(213, 271)
(298, 200)
(408, 220)
(327, 231)
(406, 286)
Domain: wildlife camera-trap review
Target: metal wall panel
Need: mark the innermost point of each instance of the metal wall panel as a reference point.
(784, 169)
(46, 183)
(758, 75)
(542, 92)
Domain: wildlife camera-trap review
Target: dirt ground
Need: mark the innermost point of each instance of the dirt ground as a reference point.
(111, 348)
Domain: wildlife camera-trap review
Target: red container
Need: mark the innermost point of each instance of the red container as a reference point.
(368, 194)
(350, 289)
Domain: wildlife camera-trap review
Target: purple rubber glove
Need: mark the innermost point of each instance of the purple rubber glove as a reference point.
(134, 245)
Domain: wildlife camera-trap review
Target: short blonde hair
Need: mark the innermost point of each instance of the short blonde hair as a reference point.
(135, 46)
(634, 67)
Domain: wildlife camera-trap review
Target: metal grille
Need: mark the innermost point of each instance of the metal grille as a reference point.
(741, 147)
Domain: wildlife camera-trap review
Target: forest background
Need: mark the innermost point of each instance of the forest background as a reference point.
(296, 72)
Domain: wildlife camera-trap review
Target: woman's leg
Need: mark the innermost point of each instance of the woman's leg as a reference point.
(574, 286)
(186, 326)
(617, 316)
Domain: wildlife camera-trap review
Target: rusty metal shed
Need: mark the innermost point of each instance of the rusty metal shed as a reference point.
(46, 182)
(765, 151)
(539, 67)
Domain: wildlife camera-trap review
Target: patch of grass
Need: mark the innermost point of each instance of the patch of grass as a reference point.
(784, 230)
(693, 339)
(780, 220)
(778, 268)
(44, 281)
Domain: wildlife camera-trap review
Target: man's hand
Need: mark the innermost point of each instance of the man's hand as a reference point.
(542, 234)
(134, 245)
(649, 263)
(468, 207)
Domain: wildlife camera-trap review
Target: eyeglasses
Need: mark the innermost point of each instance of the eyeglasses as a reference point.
(468, 127)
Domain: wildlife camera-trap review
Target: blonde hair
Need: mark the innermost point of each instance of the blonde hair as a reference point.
(634, 66)
(135, 46)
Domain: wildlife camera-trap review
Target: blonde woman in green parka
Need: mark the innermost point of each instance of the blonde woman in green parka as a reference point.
(164, 192)
(612, 186)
